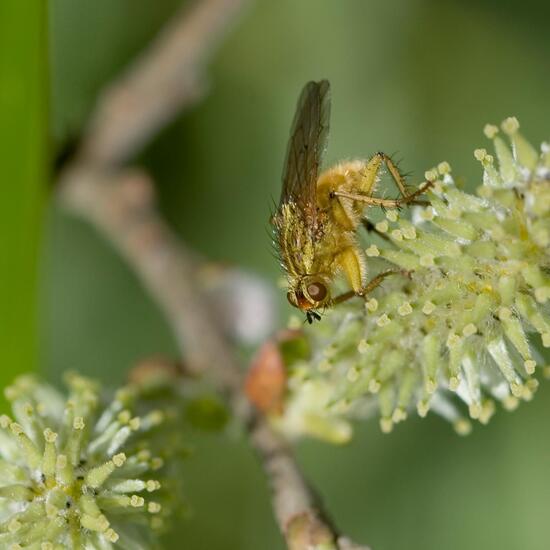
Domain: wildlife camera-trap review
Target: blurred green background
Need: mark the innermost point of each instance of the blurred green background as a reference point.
(420, 77)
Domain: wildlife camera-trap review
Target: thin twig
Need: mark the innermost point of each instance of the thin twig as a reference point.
(166, 77)
(122, 208)
(120, 203)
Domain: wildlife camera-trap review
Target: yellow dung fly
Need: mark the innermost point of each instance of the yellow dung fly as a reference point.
(319, 214)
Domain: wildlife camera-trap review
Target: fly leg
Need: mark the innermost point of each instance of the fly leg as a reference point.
(371, 285)
(352, 264)
(374, 164)
(385, 203)
(368, 181)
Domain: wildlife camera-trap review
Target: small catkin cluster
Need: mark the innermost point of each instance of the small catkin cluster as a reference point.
(463, 322)
(78, 473)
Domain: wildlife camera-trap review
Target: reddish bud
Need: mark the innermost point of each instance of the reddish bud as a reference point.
(265, 384)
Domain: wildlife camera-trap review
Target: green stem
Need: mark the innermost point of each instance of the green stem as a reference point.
(24, 152)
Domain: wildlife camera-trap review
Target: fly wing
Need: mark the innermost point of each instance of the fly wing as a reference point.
(305, 149)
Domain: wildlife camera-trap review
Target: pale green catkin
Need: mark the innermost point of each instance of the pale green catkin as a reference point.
(77, 472)
(464, 328)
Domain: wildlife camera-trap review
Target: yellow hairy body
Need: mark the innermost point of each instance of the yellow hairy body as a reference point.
(337, 248)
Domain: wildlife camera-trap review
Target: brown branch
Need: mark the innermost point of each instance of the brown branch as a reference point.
(122, 208)
(297, 507)
(120, 203)
(166, 77)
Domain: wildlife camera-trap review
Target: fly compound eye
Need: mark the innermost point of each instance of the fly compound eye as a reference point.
(317, 291)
